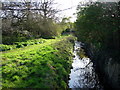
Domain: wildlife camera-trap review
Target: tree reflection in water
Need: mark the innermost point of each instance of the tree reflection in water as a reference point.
(82, 75)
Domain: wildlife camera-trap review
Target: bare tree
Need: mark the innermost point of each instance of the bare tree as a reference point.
(35, 17)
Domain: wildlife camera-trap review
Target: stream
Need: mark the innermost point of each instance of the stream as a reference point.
(82, 73)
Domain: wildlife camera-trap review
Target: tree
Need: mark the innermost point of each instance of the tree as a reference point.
(98, 24)
(37, 18)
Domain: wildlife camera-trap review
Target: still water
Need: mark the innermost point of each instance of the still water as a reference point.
(82, 73)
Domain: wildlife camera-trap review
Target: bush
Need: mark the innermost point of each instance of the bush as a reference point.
(98, 24)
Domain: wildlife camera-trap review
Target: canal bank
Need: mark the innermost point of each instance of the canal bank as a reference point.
(106, 64)
(82, 74)
(39, 66)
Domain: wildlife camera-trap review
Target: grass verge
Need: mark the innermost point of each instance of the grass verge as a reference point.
(44, 65)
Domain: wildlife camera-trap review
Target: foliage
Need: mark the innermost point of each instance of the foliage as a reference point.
(98, 24)
(66, 25)
(29, 42)
(4, 47)
(26, 20)
(44, 65)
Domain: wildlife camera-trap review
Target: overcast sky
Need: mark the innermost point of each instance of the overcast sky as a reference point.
(65, 4)
(62, 4)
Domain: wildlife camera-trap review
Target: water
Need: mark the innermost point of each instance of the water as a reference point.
(82, 74)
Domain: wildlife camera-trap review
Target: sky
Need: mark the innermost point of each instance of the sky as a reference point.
(64, 4)
(72, 4)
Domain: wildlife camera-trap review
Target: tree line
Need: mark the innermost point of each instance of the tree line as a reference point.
(25, 20)
(98, 24)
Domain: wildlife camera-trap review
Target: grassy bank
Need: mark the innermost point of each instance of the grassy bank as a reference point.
(45, 65)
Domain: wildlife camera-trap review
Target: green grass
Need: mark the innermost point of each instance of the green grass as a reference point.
(44, 65)
(21, 44)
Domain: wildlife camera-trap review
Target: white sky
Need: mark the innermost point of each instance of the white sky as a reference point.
(64, 4)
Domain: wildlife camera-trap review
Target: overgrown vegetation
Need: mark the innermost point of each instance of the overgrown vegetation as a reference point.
(21, 44)
(33, 62)
(98, 25)
(30, 20)
(28, 60)
(44, 65)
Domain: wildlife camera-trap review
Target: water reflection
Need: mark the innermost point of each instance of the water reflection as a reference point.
(82, 75)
